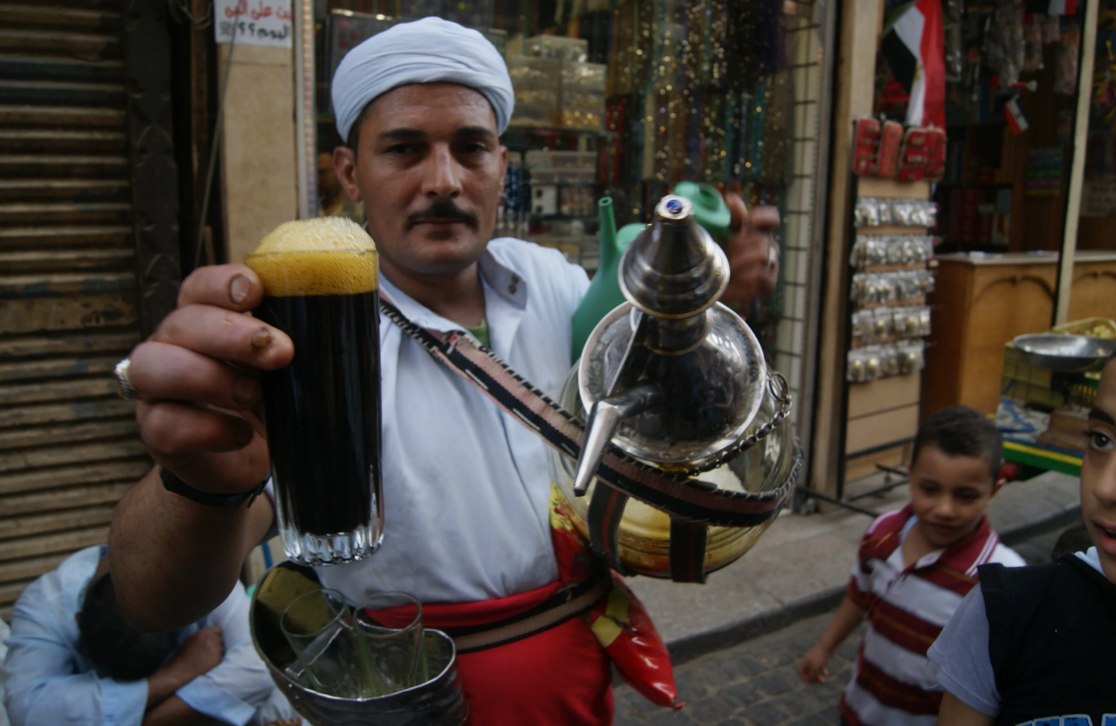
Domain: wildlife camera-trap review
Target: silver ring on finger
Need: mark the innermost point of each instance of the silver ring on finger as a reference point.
(124, 385)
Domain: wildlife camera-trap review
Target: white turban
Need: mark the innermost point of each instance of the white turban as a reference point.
(430, 50)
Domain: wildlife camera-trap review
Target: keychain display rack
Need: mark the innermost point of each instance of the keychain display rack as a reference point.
(891, 270)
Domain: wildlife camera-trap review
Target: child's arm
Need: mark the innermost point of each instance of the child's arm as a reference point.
(955, 712)
(812, 668)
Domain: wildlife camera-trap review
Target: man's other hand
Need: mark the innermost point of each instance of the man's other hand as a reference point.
(752, 251)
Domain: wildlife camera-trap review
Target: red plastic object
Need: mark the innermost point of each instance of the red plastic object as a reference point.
(624, 628)
(866, 143)
(915, 155)
(618, 619)
(935, 153)
(891, 138)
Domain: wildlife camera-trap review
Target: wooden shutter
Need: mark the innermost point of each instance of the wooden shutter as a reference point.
(69, 295)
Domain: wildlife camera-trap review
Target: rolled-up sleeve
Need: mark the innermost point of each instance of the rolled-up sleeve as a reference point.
(43, 689)
(240, 684)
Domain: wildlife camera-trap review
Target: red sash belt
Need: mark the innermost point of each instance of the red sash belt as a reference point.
(557, 677)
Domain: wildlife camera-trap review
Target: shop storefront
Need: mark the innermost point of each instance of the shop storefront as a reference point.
(1000, 105)
(1024, 211)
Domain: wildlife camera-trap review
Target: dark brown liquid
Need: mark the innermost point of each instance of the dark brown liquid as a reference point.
(323, 411)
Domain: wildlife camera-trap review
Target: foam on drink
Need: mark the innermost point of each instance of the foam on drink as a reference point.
(315, 257)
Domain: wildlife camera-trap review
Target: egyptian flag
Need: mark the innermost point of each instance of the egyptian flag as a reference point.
(915, 50)
(1016, 115)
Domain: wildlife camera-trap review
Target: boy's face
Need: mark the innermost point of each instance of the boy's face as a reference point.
(1098, 473)
(949, 494)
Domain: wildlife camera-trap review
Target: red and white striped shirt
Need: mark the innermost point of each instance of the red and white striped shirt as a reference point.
(906, 608)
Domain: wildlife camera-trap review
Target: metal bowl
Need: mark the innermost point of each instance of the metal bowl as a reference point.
(1065, 353)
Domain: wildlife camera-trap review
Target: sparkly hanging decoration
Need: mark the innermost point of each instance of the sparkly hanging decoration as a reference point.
(669, 117)
(694, 90)
(693, 84)
(778, 129)
(717, 43)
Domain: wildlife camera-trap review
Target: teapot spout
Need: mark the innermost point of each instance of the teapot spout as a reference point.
(605, 418)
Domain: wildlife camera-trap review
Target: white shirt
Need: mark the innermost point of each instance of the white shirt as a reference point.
(907, 597)
(4, 633)
(466, 485)
(51, 683)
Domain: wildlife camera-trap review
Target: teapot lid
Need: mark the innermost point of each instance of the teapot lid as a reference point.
(673, 269)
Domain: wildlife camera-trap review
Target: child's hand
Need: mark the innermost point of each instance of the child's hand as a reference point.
(812, 668)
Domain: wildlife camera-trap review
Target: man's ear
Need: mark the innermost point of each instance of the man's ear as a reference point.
(997, 486)
(345, 166)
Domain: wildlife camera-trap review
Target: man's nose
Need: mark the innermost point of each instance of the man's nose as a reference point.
(443, 174)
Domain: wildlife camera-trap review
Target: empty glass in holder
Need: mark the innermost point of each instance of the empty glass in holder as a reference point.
(389, 626)
(319, 627)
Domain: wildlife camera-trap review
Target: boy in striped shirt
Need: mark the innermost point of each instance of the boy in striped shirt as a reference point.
(914, 567)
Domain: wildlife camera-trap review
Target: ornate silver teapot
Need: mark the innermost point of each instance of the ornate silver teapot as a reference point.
(678, 383)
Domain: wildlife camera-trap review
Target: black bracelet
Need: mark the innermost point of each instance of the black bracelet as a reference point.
(173, 484)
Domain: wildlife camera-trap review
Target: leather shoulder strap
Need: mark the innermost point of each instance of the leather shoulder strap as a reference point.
(686, 500)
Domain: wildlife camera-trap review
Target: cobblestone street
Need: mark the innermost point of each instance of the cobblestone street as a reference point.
(755, 683)
(752, 683)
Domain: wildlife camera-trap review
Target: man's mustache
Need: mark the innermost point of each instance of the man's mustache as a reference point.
(441, 211)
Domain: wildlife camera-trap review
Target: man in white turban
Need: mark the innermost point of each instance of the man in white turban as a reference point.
(421, 107)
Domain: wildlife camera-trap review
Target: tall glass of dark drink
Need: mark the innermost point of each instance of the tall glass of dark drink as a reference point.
(323, 410)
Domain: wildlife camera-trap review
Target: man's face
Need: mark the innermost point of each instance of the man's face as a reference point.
(949, 494)
(430, 169)
(1098, 473)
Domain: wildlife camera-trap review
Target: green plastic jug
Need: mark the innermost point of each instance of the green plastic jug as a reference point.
(604, 294)
(710, 209)
(604, 291)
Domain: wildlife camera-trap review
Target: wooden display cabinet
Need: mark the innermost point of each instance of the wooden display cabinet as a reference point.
(981, 303)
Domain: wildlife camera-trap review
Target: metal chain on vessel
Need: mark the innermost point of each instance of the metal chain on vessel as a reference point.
(781, 391)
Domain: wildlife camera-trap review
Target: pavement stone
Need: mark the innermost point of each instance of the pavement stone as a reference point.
(752, 683)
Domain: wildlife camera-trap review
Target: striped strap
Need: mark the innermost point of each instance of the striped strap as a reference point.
(684, 499)
(606, 508)
(557, 609)
(687, 551)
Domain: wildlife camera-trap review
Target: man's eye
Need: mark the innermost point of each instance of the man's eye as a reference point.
(966, 496)
(401, 149)
(474, 148)
(1099, 440)
(927, 489)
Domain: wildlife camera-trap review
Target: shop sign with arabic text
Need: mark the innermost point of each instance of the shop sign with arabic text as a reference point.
(253, 22)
